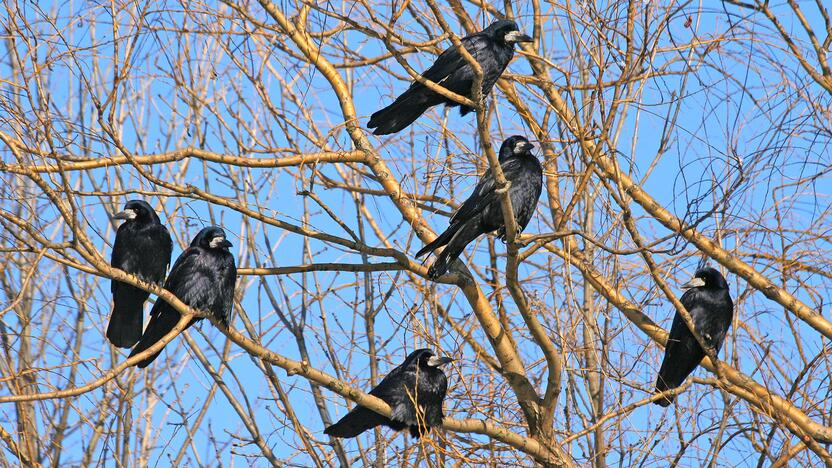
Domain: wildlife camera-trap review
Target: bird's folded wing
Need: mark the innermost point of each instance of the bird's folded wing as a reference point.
(451, 60)
(121, 255)
(484, 194)
(177, 281)
(706, 322)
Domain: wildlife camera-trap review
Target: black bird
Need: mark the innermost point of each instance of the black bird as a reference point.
(203, 277)
(709, 304)
(492, 48)
(142, 248)
(481, 213)
(420, 379)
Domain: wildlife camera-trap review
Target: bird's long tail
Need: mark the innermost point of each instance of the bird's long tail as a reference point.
(161, 324)
(417, 430)
(465, 233)
(443, 239)
(403, 112)
(125, 326)
(668, 379)
(355, 422)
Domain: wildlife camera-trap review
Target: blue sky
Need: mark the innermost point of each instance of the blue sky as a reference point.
(722, 136)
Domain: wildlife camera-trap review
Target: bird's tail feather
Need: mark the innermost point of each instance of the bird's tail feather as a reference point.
(355, 422)
(160, 325)
(455, 245)
(417, 430)
(662, 385)
(125, 326)
(670, 377)
(443, 239)
(398, 115)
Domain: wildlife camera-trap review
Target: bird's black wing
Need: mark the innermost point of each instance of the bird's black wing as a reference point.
(484, 194)
(718, 325)
(227, 281)
(682, 353)
(479, 214)
(698, 305)
(181, 274)
(128, 256)
(142, 250)
(204, 281)
(360, 419)
(389, 389)
(526, 186)
(164, 244)
(123, 257)
(451, 70)
(125, 325)
(185, 282)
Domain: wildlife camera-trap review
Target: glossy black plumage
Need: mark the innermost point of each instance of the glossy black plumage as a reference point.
(492, 48)
(710, 306)
(419, 378)
(142, 248)
(203, 277)
(482, 213)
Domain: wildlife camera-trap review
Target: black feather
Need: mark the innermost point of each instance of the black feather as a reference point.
(413, 380)
(482, 213)
(712, 310)
(203, 277)
(489, 47)
(142, 248)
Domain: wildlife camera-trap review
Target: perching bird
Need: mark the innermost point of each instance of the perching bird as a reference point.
(492, 48)
(481, 213)
(203, 277)
(142, 248)
(709, 304)
(420, 379)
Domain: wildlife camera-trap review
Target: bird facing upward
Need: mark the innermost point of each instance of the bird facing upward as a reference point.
(419, 378)
(709, 304)
(482, 213)
(492, 48)
(142, 248)
(203, 277)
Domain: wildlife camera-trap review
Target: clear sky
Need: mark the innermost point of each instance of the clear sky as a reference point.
(721, 167)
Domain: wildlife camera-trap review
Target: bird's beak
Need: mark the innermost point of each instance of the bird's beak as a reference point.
(126, 214)
(527, 146)
(218, 242)
(435, 361)
(517, 36)
(694, 283)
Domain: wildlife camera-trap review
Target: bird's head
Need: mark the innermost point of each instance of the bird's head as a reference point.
(515, 146)
(424, 359)
(212, 237)
(708, 278)
(139, 211)
(506, 32)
